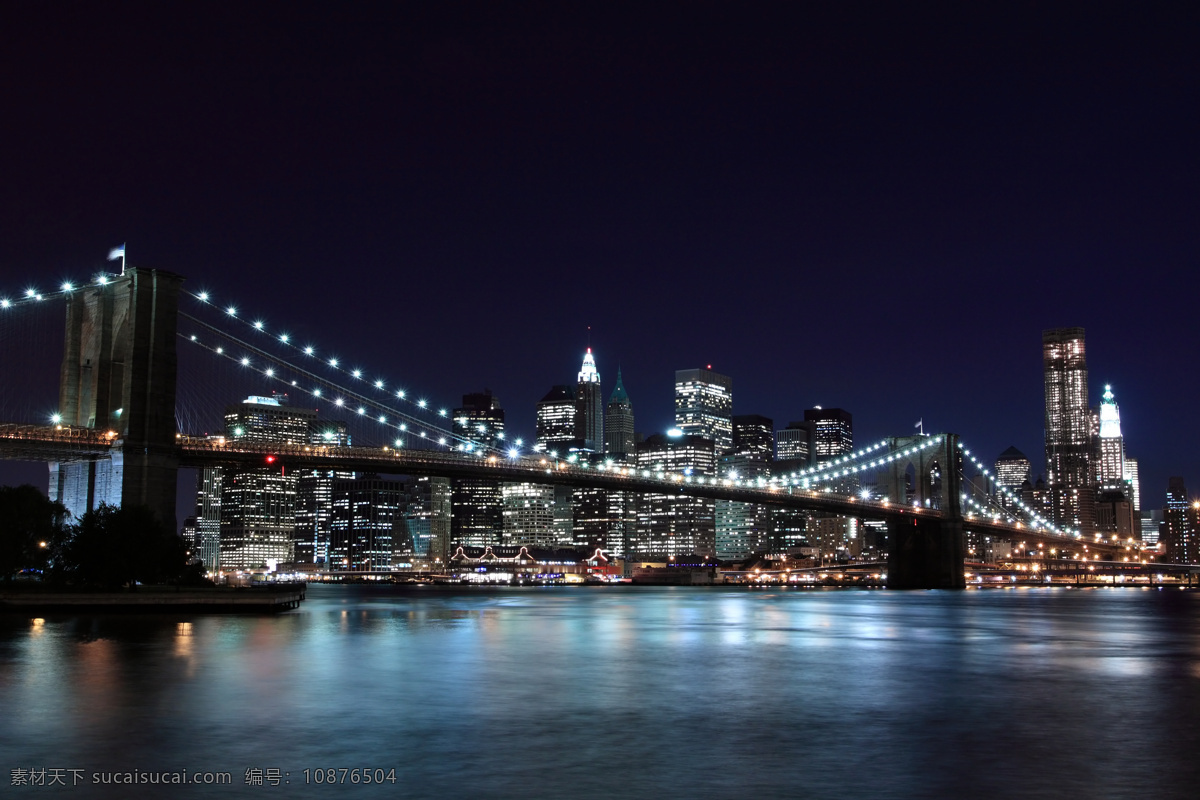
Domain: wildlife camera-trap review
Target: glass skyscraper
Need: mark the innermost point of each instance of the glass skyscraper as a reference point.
(704, 406)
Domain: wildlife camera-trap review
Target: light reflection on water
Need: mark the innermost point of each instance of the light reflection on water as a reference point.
(640, 692)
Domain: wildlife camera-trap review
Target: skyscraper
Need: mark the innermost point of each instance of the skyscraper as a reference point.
(1181, 525)
(368, 531)
(556, 420)
(704, 406)
(618, 423)
(589, 406)
(675, 525)
(1064, 364)
(258, 506)
(1012, 469)
(1110, 473)
(476, 518)
(795, 443)
(833, 432)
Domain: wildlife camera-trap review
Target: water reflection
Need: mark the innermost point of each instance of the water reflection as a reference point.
(644, 692)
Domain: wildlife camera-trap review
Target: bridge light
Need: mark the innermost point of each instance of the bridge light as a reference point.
(231, 311)
(258, 325)
(382, 418)
(270, 459)
(441, 412)
(378, 384)
(102, 280)
(339, 402)
(308, 351)
(333, 362)
(421, 403)
(202, 297)
(5, 303)
(56, 418)
(399, 443)
(442, 440)
(357, 373)
(316, 392)
(361, 410)
(270, 373)
(193, 335)
(513, 452)
(400, 393)
(66, 287)
(245, 361)
(283, 337)
(31, 292)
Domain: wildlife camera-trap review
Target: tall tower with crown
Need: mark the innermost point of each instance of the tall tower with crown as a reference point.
(589, 406)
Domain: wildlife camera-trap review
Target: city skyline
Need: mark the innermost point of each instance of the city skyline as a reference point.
(794, 198)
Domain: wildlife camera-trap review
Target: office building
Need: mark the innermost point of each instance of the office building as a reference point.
(1012, 469)
(367, 532)
(618, 424)
(477, 517)
(1181, 525)
(1067, 425)
(556, 421)
(258, 506)
(314, 498)
(427, 512)
(794, 444)
(529, 517)
(675, 525)
(589, 407)
(833, 432)
(745, 528)
(1110, 473)
(704, 406)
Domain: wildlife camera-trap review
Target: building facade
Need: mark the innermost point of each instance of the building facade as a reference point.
(704, 406)
(1067, 425)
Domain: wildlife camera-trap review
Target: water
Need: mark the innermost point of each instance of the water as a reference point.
(642, 692)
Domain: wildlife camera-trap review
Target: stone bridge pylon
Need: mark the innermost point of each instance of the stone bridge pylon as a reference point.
(118, 374)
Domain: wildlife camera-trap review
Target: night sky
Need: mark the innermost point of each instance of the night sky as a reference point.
(856, 205)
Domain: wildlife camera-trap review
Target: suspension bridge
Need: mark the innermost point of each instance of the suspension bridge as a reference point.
(120, 432)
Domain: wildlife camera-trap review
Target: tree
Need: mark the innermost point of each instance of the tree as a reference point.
(115, 546)
(33, 530)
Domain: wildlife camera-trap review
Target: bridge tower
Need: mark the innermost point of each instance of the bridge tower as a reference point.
(926, 552)
(118, 374)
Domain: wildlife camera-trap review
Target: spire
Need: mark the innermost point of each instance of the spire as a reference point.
(588, 373)
(618, 392)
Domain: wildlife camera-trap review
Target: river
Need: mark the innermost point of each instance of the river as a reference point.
(621, 691)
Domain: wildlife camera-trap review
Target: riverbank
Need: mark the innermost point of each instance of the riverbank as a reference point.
(269, 598)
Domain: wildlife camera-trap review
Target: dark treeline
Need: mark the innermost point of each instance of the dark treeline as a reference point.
(108, 548)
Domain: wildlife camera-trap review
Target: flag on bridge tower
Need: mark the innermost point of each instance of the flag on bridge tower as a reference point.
(920, 426)
(118, 252)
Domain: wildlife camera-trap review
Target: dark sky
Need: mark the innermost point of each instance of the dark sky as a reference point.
(860, 205)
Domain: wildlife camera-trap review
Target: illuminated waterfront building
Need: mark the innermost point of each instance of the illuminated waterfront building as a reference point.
(314, 498)
(704, 406)
(744, 528)
(258, 506)
(1181, 525)
(477, 518)
(367, 532)
(427, 511)
(529, 517)
(674, 525)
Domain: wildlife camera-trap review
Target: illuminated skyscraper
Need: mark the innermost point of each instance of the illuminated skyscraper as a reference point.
(1111, 469)
(1181, 525)
(556, 420)
(795, 444)
(675, 525)
(589, 406)
(258, 506)
(704, 406)
(1012, 469)
(476, 518)
(833, 432)
(368, 532)
(1069, 473)
(618, 423)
